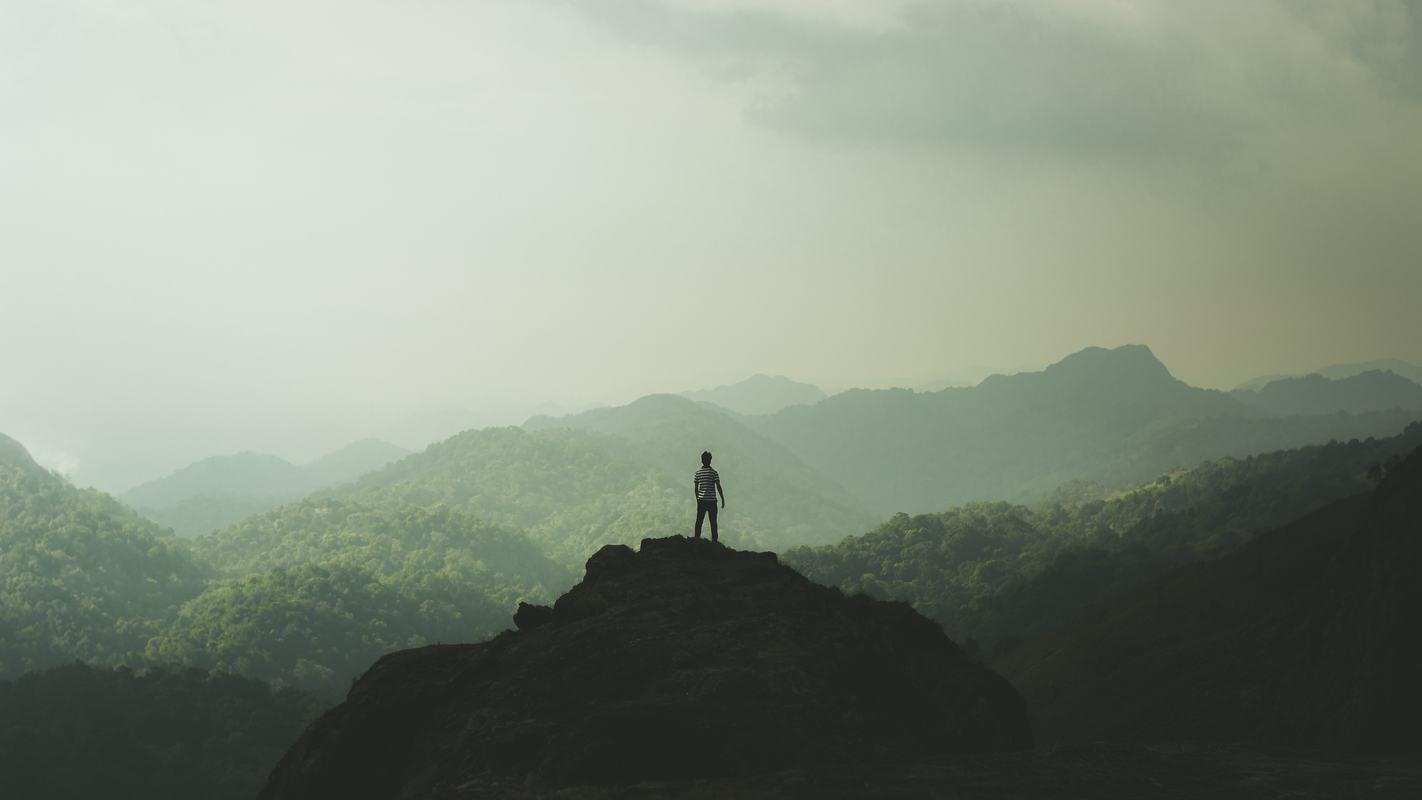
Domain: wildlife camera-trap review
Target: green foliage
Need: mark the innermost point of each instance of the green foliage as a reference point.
(405, 545)
(81, 577)
(780, 501)
(998, 571)
(318, 627)
(76, 732)
(307, 595)
(573, 490)
(317, 590)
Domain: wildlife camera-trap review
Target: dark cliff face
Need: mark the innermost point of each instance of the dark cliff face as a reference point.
(685, 660)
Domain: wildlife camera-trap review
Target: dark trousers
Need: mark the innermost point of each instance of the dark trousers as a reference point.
(703, 508)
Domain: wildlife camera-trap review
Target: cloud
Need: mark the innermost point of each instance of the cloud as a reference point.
(1143, 79)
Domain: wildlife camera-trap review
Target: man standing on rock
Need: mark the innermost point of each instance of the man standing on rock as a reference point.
(705, 484)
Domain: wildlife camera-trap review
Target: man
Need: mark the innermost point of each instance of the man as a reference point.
(704, 485)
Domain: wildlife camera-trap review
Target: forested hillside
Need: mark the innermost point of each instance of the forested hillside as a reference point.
(307, 595)
(405, 543)
(443, 544)
(618, 481)
(319, 626)
(81, 577)
(785, 500)
(1305, 637)
(78, 733)
(317, 589)
(996, 572)
(1116, 417)
(218, 491)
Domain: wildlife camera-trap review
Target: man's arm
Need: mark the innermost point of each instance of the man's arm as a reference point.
(722, 491)
(695, 489)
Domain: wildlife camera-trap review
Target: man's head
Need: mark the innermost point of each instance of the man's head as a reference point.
(705, 458)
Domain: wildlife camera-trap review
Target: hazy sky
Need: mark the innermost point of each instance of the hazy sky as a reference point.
(283, 225)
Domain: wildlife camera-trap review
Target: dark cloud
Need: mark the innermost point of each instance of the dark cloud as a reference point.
(1012, 76)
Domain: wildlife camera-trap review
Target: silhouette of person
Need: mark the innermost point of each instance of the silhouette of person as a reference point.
(705, 484)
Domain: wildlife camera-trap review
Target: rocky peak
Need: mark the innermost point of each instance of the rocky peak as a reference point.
(681, 661)
(1128, 363)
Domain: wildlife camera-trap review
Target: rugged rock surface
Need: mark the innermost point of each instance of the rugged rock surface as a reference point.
(681, 662)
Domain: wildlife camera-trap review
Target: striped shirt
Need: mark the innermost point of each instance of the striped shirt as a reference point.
(706, 484)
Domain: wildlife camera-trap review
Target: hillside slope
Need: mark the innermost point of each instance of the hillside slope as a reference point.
(81, 577)
(759, 394)
(217, 491)
(1306, 636)
(997, 572)
(575, 484)
(78, 733)
(316, 590)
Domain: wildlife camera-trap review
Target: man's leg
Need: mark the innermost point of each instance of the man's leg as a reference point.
(715, 536)
(700, 515)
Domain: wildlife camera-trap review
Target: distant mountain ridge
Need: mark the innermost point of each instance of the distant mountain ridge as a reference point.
(1114, 416)
(217, 491)
(1397, 366)
(759, 394)
(1364, 392)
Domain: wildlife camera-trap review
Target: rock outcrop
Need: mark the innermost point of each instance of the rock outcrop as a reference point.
(684, 661)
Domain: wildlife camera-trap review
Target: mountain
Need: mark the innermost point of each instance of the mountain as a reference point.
(218, 491)
(996, 573)
(352, 461)
(1397, 366)
(1305, 636)
(759, 394)
(81, 576)
(613, 475)
(1362, 393)
(787, 500)
(306, 595)
(391, 541)
(680, 662)
(316, 590)
(317, 626)
(1116, 417)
